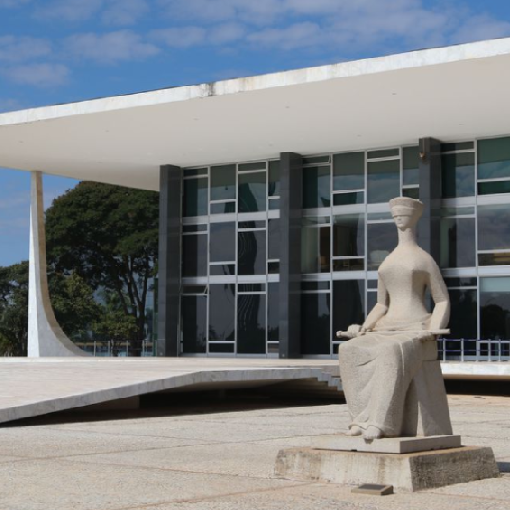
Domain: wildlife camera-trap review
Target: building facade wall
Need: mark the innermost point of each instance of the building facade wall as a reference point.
(232, 240)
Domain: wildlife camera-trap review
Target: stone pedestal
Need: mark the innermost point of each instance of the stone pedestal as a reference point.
(407, 472)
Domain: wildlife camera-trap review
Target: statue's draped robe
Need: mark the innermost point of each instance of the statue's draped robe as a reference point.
(377, 368)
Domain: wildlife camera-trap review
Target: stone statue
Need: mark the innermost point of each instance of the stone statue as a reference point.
(383, 367)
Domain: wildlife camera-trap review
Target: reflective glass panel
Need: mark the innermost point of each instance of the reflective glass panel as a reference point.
(349, 171)
(220, 348)
(494, 259)
(252, 192)
(274, 179)
(458, 242)
(223, 208)
(273, 312)
(195, 197)
(384, 153)
(494, 158)
(315, 327)
(273, 238)
(223, 182)
(458, 175)
(221, 312)
(357, 197)
(190, 172)
(463, 315)
(495, 308)
(315, 249)
(349, 265)
(382, 239)
(411, 193)
(316, 187)
(459, 146)
(348, 304)
(371, 301)
(251, 324)
(194, 324)
(493, 188)
(222, 270)
(493, 227)
(314, 160)
(246, 167)
(411, 165)
(349, 235)
(252, 252)
(383, 181)
(194, 255)
(223, 242)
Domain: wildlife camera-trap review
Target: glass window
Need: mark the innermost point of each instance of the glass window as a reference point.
(357, 197)
(357, 264)
(349, 235)
(383, 181)
(495, 308)
(251, 324)
(223, 182)
(223, 242)
(194, 255)
(458, 175)
(315, 160)
(348, 304)
(459, 146)
(273, 312)
(371, 301)
(222, 270)
(221, 312)
(223, 207)
(458, 242)
(221, 348)
(274, 179)
(411, 193)
(494, 259)
(349, 171)
(194, 324)
(195, 197)
(252, 252)
(273, 239)
(382, 239)
(493, 227)
(494, 158)
(463, 315)
(411, 165)
(385, 153)
(493, 188)
(316, 187)
(247, 167)
(315, 249)
(252, 192)
(315, 327)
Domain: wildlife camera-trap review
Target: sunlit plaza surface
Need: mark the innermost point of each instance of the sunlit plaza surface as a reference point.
(214, 453)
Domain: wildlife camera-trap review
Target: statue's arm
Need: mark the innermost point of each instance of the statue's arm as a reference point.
(379, 309)
(439, 293)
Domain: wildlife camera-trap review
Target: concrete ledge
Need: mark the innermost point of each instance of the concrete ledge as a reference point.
(406, 472)
(347, 443)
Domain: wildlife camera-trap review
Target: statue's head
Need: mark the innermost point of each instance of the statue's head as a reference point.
(406, 212)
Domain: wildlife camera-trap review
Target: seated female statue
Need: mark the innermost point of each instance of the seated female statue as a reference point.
(379, 362)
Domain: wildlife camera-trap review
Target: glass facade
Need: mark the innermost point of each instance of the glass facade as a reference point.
(231, 245)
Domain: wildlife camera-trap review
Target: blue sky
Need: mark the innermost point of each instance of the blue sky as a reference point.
(57, 51)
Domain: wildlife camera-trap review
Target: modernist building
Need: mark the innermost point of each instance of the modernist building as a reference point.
(274, 191)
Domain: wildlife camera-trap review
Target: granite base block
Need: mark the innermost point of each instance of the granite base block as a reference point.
(385, 445)
(407, 472)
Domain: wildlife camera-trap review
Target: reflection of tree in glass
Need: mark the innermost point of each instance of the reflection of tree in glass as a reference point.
(251, 324)
(222, 312)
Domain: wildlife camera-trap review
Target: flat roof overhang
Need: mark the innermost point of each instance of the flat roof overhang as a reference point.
(452, 93)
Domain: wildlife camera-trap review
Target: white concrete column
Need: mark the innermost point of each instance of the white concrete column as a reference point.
(45, 336)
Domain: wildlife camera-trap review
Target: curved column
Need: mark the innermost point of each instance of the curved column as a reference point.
(45, 336)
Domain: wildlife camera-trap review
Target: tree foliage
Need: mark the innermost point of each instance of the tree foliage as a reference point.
(108, 236)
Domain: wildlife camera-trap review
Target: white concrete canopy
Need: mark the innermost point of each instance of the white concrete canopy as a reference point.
(451, 93)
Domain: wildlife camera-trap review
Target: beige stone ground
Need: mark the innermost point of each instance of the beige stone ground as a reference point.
(219, 456)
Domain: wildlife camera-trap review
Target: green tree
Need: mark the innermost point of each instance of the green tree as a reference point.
(14, 309)
(108, 235)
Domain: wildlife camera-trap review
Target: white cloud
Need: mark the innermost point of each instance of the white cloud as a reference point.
(38, 75)
(184, 37)
(121, 45)
(226, 33)
(481, 27)
(9, 105)
(8, 4)
(19, 49)
(68, 10)
(299, 35)
(124, 12)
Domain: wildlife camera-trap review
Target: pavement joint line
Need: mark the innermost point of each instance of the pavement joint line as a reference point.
(174, 470)
(213, 497)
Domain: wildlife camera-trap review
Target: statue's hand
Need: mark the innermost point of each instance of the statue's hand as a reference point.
(352, 331)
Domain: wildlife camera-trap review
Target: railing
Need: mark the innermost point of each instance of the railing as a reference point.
(473, 350)
(116, 349)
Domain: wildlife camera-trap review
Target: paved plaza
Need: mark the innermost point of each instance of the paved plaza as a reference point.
(216, 454)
